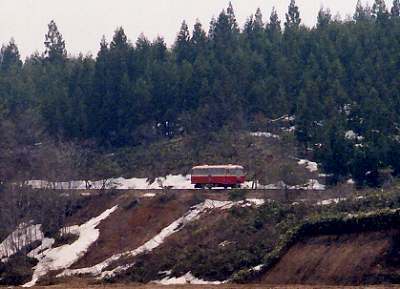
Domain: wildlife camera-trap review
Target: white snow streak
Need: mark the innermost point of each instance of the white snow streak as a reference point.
(173, 181)
(257, 268)
(265, 134)
(311, 166)
(312, 184)
(193, 214)
(188, 278)
(351, 135)
(149, 195)
(64, 256)
(23, 236)
(330, 201)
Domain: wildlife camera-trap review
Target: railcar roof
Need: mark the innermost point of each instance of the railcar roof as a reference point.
(218, 167)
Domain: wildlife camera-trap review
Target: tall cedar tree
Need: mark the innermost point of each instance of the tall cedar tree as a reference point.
(55, 44)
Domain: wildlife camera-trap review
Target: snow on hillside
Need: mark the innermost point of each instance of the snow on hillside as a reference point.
(23, 236)
(312, 184)
(188, 278)
(193, 214)
(64, 256)
(330, 201)
(351, 135)
(264, 134)
(174, 181)
(311, 166)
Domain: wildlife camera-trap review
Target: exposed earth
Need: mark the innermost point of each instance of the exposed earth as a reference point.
(226, 286)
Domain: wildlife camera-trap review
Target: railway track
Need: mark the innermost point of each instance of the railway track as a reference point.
(289, 196)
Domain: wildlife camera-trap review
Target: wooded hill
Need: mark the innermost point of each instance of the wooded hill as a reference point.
(340, 79)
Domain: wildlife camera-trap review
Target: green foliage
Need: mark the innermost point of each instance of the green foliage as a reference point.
(17, 271)
(325, 224)
(335, 77)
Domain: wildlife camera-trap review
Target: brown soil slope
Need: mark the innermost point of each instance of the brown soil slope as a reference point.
(224, 286)
(133, 224)
(359, 258)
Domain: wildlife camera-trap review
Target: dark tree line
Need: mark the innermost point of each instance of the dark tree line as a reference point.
(340, 79)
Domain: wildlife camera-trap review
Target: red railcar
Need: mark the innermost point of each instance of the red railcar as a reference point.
(218, 176)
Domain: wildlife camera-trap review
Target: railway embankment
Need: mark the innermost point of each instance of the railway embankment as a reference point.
(216, 236)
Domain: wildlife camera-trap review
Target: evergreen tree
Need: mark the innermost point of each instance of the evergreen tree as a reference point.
(199, 37)
(395, 11)
(232, 18)
(335, 78)
(224, 35)
(324, 18)
(362, 13)
(335, 152)
(182, 44)
(274, 26)
(379, 11)
(258, 21)
(120, 41)
(55, 44)
(97, 106)
(293, 19)
(211, 30)
(9, 56)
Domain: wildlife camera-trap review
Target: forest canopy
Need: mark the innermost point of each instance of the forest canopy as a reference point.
(340, 80)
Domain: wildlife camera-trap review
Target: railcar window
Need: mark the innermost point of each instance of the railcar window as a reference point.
(217, 171)
(237, 172)
(200, 172)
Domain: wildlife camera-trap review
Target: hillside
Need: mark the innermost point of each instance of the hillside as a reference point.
(336, 83)
(96, 154)
(347, 259)
(211, 237)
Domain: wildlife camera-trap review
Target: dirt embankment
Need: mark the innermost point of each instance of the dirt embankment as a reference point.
(349, 259)
(135, 222)
(225, 286)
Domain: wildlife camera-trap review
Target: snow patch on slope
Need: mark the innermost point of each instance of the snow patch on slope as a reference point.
(312, 184)
(23, 236)
(64, 256)
(311, 166)
(265, 134)
(330, 201)
(173, 181)
(351, 135)
(188, 278)
(190, 216)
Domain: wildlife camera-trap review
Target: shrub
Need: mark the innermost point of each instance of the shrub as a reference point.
(64, 239)
(130, 204)
(17, 270)
(166, 196)
(236, 195)
(197, 198)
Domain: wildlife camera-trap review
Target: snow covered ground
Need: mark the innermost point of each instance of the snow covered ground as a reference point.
(351, 135)
(193, 214)
(311, 166)
(312, 184)
(24, 235)
(64, 256)
(330, 201)
(264, 134)
(188, 278)
(172, 181)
